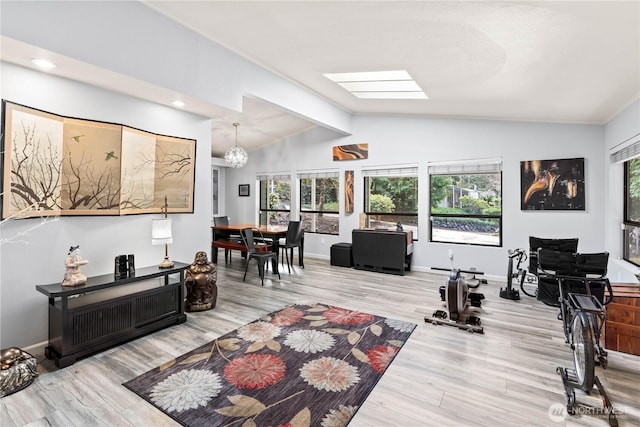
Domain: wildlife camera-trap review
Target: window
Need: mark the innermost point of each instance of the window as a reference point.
(391, 197)
(319, 202)
(631, 243)
(275, 199)
(214, 191)
(466, 203)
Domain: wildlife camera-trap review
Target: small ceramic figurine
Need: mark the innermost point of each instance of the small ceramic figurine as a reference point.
(72, 274)
(200, 280)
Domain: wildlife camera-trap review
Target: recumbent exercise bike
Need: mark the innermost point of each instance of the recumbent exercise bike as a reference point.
(581, 292)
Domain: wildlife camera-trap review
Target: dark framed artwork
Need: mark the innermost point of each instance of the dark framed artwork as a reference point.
(243, 190)
(557, 184)
(56, 165)
(348, 191)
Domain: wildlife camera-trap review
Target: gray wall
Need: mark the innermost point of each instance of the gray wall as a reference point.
(133, 41)
(620, 132)
(36, 251)
(398, 140)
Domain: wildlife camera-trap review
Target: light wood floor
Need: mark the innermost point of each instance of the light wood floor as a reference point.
(443, 376)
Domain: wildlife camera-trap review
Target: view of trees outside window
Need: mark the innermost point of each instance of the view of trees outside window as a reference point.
(467, 209)
(631, 244)
(319, 205)
(275, 201)
(391, 200)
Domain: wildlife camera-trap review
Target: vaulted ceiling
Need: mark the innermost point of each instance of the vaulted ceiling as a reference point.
(575, 61)
(548, 61)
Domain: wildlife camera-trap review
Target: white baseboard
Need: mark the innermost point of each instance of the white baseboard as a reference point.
(36, 349)
(421, 269)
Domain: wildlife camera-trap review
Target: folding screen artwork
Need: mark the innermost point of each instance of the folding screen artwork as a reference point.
(552, 184)
(348, 191)
(55, 165)
(351, 152)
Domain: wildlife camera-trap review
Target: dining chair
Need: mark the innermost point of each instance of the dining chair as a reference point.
(224, 220)
(293, 239)
(261, 257)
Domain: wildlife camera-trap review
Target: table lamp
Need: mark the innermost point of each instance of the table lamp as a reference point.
(161, 235)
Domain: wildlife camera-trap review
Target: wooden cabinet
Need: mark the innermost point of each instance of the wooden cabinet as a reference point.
(622, 329)
(107, 311)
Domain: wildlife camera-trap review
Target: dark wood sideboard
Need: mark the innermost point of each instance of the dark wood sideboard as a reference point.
(622, 329)
(107, 311)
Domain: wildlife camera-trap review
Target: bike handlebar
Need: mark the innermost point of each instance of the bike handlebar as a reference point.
(517, 252)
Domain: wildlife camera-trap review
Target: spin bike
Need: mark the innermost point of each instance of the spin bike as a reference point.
(526, 280)
(581, 298)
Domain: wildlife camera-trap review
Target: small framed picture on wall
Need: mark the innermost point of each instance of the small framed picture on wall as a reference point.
(243, 190)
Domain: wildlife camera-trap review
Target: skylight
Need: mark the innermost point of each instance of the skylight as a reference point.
(379, 84)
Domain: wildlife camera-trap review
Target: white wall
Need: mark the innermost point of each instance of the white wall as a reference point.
(130, 39)
(37, 257)
(401, 140)
(620, 132)
(133, 40)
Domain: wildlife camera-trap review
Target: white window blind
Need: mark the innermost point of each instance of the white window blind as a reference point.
(393, 172)
(465, 167)
(275, 175)
(318, 174)
(627, 153)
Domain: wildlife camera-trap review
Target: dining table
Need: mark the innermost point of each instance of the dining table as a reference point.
(272, 233)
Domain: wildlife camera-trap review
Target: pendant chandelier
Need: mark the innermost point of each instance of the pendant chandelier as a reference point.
(235, 156)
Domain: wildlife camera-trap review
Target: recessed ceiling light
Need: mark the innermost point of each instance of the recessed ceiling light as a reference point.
(178, 103)
(379, 84)
(43, 63)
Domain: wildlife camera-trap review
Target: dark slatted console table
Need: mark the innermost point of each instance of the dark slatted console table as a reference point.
(107, 311)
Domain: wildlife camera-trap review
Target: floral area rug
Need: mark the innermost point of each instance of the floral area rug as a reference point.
(304, 365)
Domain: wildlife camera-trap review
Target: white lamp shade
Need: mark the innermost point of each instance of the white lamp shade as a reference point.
(161, 231)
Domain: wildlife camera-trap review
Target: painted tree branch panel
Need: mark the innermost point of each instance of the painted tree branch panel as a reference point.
(55, 165)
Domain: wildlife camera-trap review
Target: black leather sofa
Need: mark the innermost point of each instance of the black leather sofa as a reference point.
(382, 251)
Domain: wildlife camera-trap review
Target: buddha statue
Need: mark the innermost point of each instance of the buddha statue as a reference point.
(200, 280)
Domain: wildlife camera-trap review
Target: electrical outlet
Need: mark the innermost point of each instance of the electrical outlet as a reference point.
(322, 240)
